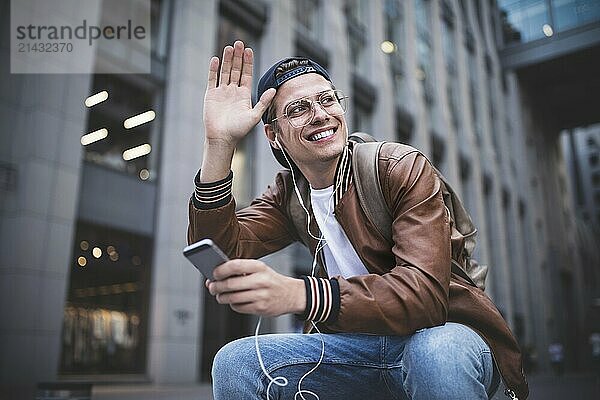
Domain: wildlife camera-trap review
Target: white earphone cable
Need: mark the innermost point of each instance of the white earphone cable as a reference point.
(280, 380)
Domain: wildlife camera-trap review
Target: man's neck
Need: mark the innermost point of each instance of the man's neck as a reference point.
(321, 175)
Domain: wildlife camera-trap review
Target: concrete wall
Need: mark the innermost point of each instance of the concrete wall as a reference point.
(42, 118)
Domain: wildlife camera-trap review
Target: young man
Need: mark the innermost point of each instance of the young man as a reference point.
(396, 323)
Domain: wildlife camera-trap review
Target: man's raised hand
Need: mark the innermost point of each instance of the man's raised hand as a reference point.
(228, 112)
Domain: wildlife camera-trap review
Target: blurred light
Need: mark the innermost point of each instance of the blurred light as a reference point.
(136, 260)
(96, 98)
(96, 252)
(136, 152)
(114, 256)
(110, 249)
(94, 136)
(547, 29)
(130, 287)
(84, 245)
(144, 174)
(104, 290)
(420, 74)
(82, 261)
(116, 289)
(139, 119)
(388, 47)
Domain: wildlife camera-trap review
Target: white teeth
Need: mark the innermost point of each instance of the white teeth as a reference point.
(321, 135)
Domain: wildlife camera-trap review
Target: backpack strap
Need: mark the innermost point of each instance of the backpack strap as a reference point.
(365, 170)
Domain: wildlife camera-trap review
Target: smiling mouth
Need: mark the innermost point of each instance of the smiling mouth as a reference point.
(320, 135)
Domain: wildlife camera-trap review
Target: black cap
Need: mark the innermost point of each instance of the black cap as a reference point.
(268, 80)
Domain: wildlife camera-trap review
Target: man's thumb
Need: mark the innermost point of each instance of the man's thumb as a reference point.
(264, 101)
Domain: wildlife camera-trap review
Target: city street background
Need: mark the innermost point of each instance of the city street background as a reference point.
(97, 171)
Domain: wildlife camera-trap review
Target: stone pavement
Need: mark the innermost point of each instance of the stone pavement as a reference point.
(542, 387)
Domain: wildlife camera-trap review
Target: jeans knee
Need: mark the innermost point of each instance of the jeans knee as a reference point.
(444, 346)
(446, 362)
(237, 359)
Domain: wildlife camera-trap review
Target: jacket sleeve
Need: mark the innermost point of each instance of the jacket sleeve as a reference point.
(252, 232)
(413, 293)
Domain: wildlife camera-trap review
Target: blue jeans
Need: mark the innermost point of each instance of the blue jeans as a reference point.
(444, 362)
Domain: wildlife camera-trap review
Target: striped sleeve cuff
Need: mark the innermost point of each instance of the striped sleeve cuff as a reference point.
(212, 194)
(322, 299)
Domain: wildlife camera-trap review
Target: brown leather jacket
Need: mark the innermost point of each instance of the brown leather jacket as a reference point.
(410, 284)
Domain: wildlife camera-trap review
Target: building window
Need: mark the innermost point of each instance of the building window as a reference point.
(494, 130)
(356, 23)
(364, 98)
(106, 314)
(117, 136)
(572, 13)
(424, 51)
(525, 20)
(474, 98)
(361, 119)
(452, 89)
(309, 18)
(221, 324)
(438, 153)
(596, 179)
(243, 160)
(394, 39)
(404, 126)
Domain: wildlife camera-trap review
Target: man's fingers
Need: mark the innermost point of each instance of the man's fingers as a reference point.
(213, 69)
(237, 267)
(264, 101)
(236, 66)
(247, 68)
(226, 63)
(235, 284)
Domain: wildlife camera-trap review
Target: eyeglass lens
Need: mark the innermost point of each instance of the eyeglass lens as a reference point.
(301, 112)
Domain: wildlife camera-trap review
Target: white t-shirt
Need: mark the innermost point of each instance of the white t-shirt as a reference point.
(340, 256)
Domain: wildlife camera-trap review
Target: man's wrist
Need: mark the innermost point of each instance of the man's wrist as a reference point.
(299, 297)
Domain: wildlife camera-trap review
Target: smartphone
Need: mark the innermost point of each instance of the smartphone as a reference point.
(205, 255)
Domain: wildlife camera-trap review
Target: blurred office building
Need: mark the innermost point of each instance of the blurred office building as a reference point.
(96, 171)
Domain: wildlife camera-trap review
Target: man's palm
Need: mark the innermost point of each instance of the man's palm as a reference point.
(228, 112)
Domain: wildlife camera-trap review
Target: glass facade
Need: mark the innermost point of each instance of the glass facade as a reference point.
(424, 50)
(105, 319)
(452, 89)
(106, 312)
(396, 36)
(529, 20)
(127, 98)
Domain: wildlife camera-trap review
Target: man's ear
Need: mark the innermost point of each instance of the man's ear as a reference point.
(271, 135)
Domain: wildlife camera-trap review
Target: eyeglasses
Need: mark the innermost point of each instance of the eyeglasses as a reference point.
(301, 112)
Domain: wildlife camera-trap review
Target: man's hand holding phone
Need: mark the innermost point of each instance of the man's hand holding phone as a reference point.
(248, 286)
